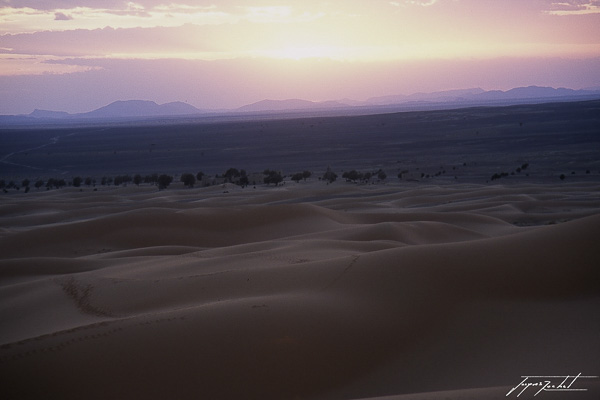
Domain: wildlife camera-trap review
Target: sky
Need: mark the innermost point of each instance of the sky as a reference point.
(79, 55)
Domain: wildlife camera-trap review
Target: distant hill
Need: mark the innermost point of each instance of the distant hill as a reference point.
(443, 96)
(480, 95)
(140, 108)
(287, 105)
(531, 92)
(48, 114)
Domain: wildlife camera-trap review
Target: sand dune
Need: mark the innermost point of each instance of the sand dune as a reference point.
(302, 291)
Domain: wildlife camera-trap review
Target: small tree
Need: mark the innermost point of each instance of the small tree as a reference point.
(244, 181)
(272, 177)
(306, 175)
(164, 181)
(153, 179)
(329, 176)
(77, 181)
(352, 175)
(231, 174)
(188, 179)
(297, 177)
(137, 179)
(39, 183)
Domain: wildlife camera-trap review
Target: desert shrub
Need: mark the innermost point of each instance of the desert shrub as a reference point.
(243, 181)
(188, 179)
(352, 175)
(77, 181)
(272, 177)
(231, 174)
(199, 176)
(297, 177)
(39, 183)
(164, 181)
(153, 179)
(56, 183)
(381, 175)
(329, 176)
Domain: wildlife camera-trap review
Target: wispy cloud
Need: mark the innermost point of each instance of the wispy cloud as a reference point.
(423, 3)
(573, 7)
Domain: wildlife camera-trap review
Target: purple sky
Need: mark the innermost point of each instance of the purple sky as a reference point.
(78, 55)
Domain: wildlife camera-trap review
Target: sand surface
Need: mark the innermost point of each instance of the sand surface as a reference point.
(303, 291)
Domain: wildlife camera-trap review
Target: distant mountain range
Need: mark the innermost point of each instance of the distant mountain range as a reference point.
(449, 98)
(125, 109)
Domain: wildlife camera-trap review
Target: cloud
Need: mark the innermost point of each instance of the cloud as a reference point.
(62, 17)
(573, 7)
(156, 42)
(423, 3)
(24, 16)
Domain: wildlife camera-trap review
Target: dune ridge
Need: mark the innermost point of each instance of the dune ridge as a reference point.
(302, 291)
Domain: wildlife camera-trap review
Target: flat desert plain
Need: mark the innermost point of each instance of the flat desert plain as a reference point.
(302, 291)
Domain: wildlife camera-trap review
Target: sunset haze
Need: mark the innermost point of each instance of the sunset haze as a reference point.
(77, 55)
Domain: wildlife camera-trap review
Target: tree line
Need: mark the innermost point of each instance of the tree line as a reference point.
(235, 176)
